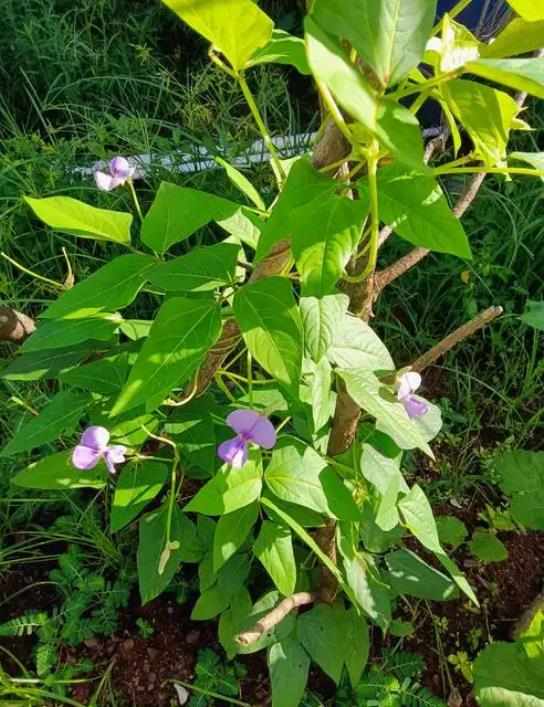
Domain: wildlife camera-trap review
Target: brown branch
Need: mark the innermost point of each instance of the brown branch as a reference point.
(272, 619)
(15, 326)
(460, 334)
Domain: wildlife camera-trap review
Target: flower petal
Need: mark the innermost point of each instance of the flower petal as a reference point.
(415, 407)
(233, 452)
(408, 383)
(120, 167)
(95, 437)
(116, 452)
(84, 457)
(105, 182)
(263, 433)
(242, 421)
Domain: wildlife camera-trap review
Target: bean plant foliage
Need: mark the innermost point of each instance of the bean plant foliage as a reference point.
(257, 425)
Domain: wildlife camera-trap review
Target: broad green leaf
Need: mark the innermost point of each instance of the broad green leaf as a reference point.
(71, 216)
(229, 490)
(536, 160)
(530, 10)
(178, 212)
(105, 376)
(237, 27)
(391, 417)
(487, 547)
(242, 182)
(135, 329)
(369, 586)
(533, 315)
(303, 185)
(487, 115)
(56, 473)
(317, 393)
(324, 234)
(306, 517)
(231, 532)
(274, 548)
(429, 424)
(518, 37)
(356, 346)
(283, 48)
(390, 122)
(505, 676)
(59, 416)
(374, 538)
(451, 531)
(520, 74)
(320, 631)
(419, 519)
(297, 474)
(416, 208)
(59, 333)
(112, 287)
(230, 578)
(201, 269)
(458, 45)
(387, 517)
(379, 469)
(521, 478)
(44, 364)
(411, 575)
(321, 320)
(131, 428)
(178, 341)
(271, 326)
(357, 644)
(233, 621)
(137, 485)
(152, 542)
(288, 665)
(389, 35)
(193, 431)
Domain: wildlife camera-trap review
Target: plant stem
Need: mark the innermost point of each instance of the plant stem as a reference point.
(426, 85)
(35, 275)
(262, 128)
(135, 199)
(490, 170)
(333, 110)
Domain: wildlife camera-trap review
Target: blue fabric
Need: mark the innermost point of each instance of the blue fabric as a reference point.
(470, 15)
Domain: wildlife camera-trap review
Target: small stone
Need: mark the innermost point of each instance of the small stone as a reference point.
(170, 610)
(153, 653)
(128, 645)
(193, 636)
(90, 642)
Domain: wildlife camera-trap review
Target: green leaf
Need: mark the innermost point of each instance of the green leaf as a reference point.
(57, 334)
(178, 212)
(321, 633)
(457, 46)
(451, 531)
(487, 547)
(521, 478)
(520, 74)
(379, 469)
(411, 575)
(297, 474)
(418, 517)
(193, 431)
(369, 586)
(387, 517)
(367, 391)
(533, 315)
(288, 665)
(324, 234)
(518, 37)
(242, 182)
(200, 270)
(530, 10)
(321, 320)
(390, 35)
(317, 393)
(59, 416)
(390, 122)
(178, 341)
(231, 531)
(505, 676)
(270, 323)
(230, 578)
(229, 489)
(536, 160)
(283, 48)
(56, 473)
(237, 28)
(105, 376)
(486, 114)
(357, 346)
(137, 485)
(357, 644)
(233, 621)
(44, 364)
(416, 208)
(152, 542)
(303, 184)
(274, 548)
(112, 287)
(74, 217)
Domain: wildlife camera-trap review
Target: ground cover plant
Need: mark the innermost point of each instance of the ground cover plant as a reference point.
(243, 412)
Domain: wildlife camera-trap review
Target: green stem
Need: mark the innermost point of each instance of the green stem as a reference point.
(490, 170)
(135, 199)
(41, 278)
(333, 110)
(262, 128)
(426, 85)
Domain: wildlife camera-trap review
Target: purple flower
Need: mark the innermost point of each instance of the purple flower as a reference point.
(94, 446)
(407, 384)
(120, 171)
(249, 427)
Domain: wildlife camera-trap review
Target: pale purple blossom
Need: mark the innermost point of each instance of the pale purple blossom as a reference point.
(119, 171)
(249, 427)
(407, 384)
(94, 446)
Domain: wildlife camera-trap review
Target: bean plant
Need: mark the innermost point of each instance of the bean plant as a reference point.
(234, 399)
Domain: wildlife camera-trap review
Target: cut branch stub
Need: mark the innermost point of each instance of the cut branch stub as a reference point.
(15, 326)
